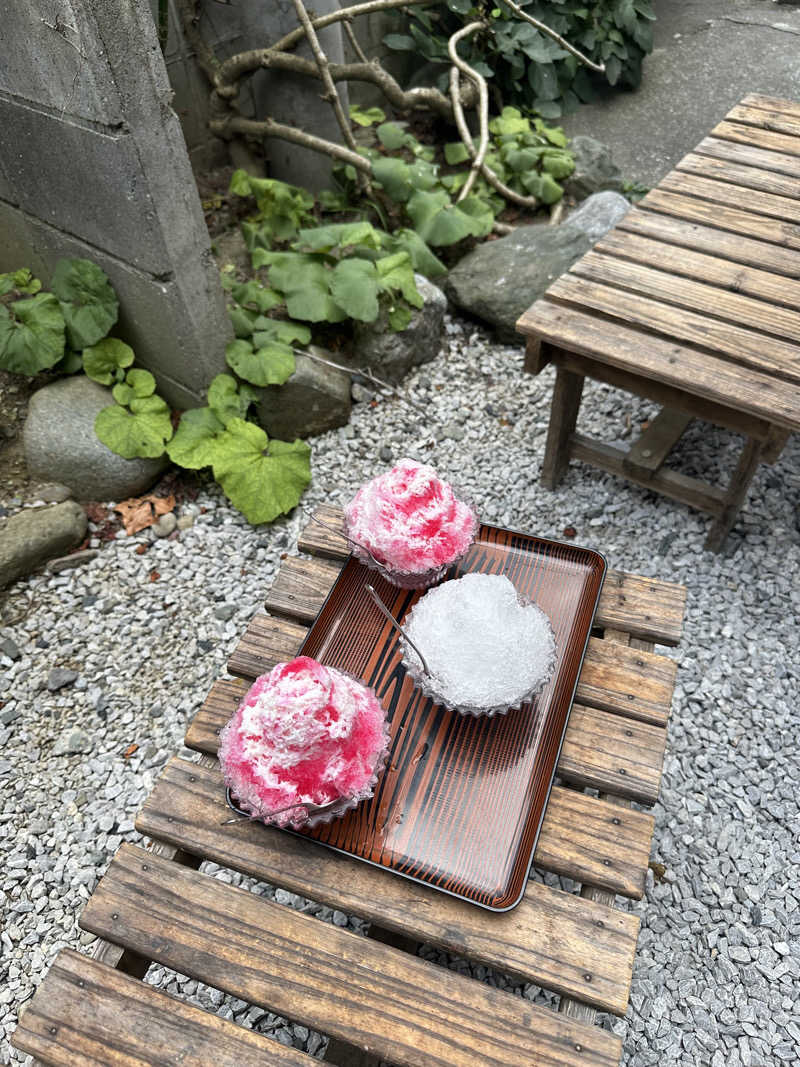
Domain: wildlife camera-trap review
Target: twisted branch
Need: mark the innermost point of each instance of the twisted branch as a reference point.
(232, 124)
(483, 99)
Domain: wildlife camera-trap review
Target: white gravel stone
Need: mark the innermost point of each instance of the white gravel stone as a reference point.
(718, 962)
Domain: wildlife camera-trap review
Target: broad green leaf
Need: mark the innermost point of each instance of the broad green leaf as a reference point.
(268, 330)
(241, 320)
(101, 361)
(480, 212)
(254, 295)
(192, 447)
(70, 363)
(228, 399)
(262, 478)
(283, 208)
(543, 187)
(366, 117)
(130, 436)
(554, 134)
(149, 405)
(455, 153)
(400, 42)
(138, 383)
(88, 303)
(31, 334)
(558, 163)
(272, 364)
(22, 280)
(437, 221)
(397, 273)
(391, 135)
(399, 317)
(509, 121)
(394, 177)
(422, 259)
(305, 282)
(337, 236)
(354, 287)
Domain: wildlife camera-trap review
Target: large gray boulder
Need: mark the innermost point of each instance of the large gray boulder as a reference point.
(500, 279)
(316, 398)
(595, 170)
(33, 536)
(390, 354)
(61, 445)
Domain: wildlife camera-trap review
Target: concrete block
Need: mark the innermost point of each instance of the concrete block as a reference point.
(177, 328)
(51, 53)
(62, 171)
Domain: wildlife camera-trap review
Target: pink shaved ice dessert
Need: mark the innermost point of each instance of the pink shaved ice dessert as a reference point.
(303, 734)
(411, 522)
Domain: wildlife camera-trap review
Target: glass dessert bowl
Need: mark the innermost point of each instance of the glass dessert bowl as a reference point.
(409, 525)
(306, 744)
(486, 648)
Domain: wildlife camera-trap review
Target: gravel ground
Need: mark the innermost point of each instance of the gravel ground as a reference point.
(718, 966)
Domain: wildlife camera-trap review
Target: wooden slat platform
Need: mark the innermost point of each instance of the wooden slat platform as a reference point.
(693, 300)
(370, 993)
(160, 1029)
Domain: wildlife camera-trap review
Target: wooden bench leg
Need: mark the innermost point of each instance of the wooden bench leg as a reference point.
(734, 497)
(567, 393)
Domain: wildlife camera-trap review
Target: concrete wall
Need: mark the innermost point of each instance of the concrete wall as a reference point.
(93, 163)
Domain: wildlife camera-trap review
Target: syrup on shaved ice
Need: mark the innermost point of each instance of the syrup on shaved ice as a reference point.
(303, 734)
(486, 648)
(411, 522)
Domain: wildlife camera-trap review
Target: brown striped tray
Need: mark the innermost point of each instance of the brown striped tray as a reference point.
(461, 801)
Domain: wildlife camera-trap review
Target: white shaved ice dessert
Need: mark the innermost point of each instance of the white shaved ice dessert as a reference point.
(487, 649)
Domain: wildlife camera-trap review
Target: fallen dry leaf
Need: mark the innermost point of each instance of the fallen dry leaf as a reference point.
(142, 511)
(570, 532)
(141, 549)
(129, 751)
(154, 576)
(95, 512)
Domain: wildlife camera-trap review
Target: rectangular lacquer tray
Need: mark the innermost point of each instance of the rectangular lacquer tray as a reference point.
(461, 801)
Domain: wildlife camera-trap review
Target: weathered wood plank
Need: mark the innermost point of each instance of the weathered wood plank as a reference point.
(764, 118)
(777, 162)
(770, 231)
(612, 754)
(741, 134)
(775, 289)
(650, 358)
(739, 175)
(550, 938)
(645, 607)
(567, 393)
(86, 1014)
(368, 994)
(298, 592)
(736, 345)
(650, 450)
(615, 680)
(268, 640)
(587, 820)
(670, 483)
(772, 103)
(722, 192)
(719, 243)
(667, 288)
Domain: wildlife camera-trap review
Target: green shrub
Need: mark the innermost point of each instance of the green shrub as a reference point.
(526, 68)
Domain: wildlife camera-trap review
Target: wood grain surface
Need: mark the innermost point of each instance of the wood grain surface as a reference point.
(552, 938)
(373, 996)
(87, 1014)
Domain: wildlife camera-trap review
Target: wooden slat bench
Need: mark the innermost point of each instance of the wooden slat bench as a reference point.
(692, 300)
(370, 993)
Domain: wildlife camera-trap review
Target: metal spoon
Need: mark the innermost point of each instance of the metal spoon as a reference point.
(382, 607)
(311, 809)
(344, 537)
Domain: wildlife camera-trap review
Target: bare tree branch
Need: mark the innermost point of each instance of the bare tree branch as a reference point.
(599, 67)
(233, 124)
(487, 172)
(331, 95)
(351, 37)
(483, 99)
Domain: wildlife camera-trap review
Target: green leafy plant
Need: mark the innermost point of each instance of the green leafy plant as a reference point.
(65, 330)
(47, 330)
(528, 69)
